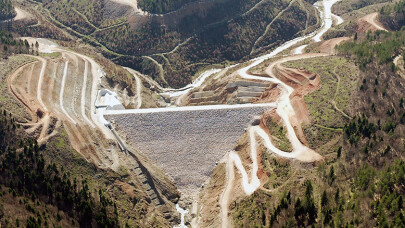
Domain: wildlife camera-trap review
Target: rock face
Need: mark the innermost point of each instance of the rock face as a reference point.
(186, 144)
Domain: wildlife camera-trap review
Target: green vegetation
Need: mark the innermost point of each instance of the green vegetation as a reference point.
(9, 45)
(343, 7)
(234, 39)
(279, 135)
(26, 172)
(256, 210)
(279, 172)
(52, 55)
(226, 31)
(10, 64)
(387, 183)
(360, 128)
(360, 183)
(161, 6)
(6, 10)
(338, 79)
(364, 52)
(393, 15)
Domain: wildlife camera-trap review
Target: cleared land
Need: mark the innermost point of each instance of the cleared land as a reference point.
(186, 144)
(329, 105)
(58, 91)
(6, 99)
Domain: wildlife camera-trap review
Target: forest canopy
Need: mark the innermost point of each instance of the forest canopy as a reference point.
(7, 10)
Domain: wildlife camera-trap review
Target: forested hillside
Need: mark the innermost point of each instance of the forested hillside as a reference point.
(250, 33)
(394, 15)
(161, 6)
(45, 192)
(361, 181)
(172, 48)
(6, 10)
(9, 45)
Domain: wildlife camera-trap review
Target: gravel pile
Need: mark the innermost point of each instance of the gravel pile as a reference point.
(186, 144)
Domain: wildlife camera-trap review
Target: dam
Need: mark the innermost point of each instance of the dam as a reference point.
(186, 142)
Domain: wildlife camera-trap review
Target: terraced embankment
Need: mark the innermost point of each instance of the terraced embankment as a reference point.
(58, 91)
(186, 141)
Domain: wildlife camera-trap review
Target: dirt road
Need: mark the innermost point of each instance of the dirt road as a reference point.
(284, 110)
(64, 90)
(370, 22)
(138, 87)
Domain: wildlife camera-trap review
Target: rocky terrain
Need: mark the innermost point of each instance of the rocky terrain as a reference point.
(186, 144)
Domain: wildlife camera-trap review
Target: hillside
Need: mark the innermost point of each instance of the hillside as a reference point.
(173, 47)
(393, 16)
(360, 183)
(39, 190)
(7, 10)
(162, 6)
(214, 113)
(40, 177)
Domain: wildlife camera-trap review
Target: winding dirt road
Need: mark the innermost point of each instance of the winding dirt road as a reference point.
(370, 22)
(284, 110)
(63, 90)
(138, 87)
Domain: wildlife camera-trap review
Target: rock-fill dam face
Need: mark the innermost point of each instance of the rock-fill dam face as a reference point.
(186, 143)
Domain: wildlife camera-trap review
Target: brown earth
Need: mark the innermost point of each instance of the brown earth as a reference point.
(369, 23)
(41, 97)
(328, 46)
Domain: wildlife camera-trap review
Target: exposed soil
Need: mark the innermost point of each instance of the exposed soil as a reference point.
(400, 64)
(328, 46)
(369, 22)
(62, 92)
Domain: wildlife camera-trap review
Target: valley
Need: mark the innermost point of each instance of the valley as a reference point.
(220, 114)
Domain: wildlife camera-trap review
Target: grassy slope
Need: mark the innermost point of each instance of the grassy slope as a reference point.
(322, 113)
(7, 100)
(133, 209)
(361, 182)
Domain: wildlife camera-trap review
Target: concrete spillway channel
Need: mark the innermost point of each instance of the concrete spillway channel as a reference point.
(108, 100)
(119, 140)
(138, 169)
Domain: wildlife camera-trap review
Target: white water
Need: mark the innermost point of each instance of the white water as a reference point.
(327, 15)
(300, 49)
(324, 8)
(284, 107)
(182, 213)
(197, 83)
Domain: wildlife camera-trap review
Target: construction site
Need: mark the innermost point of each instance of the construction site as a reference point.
(172, 152)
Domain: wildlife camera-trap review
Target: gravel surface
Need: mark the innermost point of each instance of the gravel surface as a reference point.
(186, 144)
